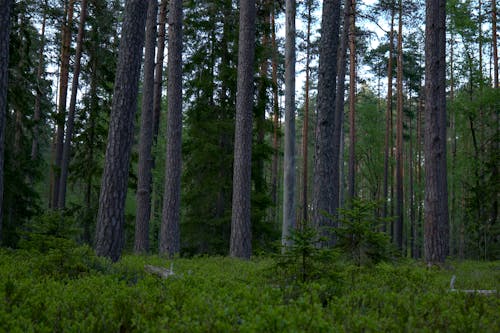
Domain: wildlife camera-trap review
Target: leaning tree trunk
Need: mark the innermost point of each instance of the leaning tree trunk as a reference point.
(241, 233)
(111, 215)
(436, 230)
(169, 230)
(5, 6)
(63, 93)
(61, 203)
(324, 194)
(143, 211)
(289, 161)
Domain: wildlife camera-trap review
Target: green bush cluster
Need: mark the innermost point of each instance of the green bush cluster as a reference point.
(217, 294)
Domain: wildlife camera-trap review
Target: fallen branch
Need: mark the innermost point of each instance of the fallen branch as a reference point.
(161, 272)
(470, 291)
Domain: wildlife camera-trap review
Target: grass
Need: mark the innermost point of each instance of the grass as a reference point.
(69, 290)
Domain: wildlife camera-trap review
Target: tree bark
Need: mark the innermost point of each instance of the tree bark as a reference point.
(143, 210)
(324, 193)
(388, 119)
(169, 230)
(5, 6)
(61, 204)
(436, 192)
(495, 43)
(289, 217)
(305, 127)
(39, 92)
(276, 119)
(158, 80)
(352, 102)
(398, 225)
(111, 215)
(241, 242)
(63, 93)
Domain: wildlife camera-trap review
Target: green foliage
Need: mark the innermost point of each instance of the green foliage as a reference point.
(359, 234)
(215, 294)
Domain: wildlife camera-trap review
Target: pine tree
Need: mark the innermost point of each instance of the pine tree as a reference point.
(110, 220)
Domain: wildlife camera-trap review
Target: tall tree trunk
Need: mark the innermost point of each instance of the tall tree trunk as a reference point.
(276, 118)
(436, 192)
(495, 43)
(39, 92)
(398, 225)
(158, 79)
(169, 230)
(5, 6)
(388, 119)
(324, 193)
(63, 93)
(338, 131)
(289, 218)
(72, 106)
(111, 215)
(143, 211)
(305, 126)
(413, 234)
(241, 242)
(352, 102)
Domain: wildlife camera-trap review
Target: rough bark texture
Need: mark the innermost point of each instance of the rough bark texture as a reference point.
(338, 138)
(111, 215)
(352, 102)
(143, 211)
(436, 193)
(289, 161)
(169, 231)
(63, 93)
(5, 6)
(324, 192)
(398, 225)
(241, 234)
(159, 68)
(61, 203)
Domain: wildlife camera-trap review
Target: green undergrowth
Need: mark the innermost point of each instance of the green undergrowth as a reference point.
(70, 290)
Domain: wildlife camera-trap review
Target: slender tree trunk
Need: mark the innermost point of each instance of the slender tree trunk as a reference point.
(289, 218)
(495, 43)
(5, 6)
(324, 193)
(436, 192)
(111, 215)
(158, 79)
(413, 233)
(276, 118)
(388, 119)
(63, 93)
(72, 106)
(241, 242)
(143, 211)
(39, 92)
(169, 230)
(398, 225)
(305, 127)
(352, 102)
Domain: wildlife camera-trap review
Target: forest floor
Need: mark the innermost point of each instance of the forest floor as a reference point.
(70, 290)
